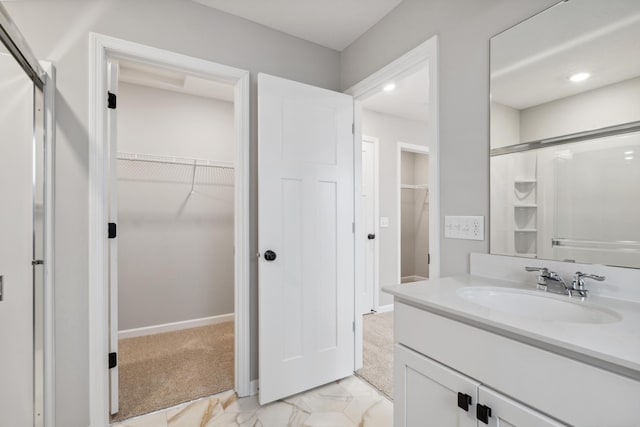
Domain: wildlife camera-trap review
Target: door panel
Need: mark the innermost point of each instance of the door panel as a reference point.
(112, 117)
(305, 203)
(429, 391)
(506, 412)
(366, 294)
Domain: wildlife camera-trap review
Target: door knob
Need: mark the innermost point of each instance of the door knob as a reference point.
(371, 236)
(270, 255)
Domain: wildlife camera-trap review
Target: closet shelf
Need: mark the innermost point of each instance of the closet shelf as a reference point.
(525, 230)
(525, 205)
(147, 168)
(525, 181)
(138, 157)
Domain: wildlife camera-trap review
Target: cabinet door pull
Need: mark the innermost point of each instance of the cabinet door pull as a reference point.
(483, 413)
(464, 400)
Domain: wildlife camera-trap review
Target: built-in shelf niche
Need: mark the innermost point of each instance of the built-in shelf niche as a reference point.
(525, 217)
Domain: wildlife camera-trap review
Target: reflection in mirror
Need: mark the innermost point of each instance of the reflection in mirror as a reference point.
(565, 135)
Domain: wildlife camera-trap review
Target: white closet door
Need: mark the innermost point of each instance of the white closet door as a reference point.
(306, 208)
(112, 76)
(366, 294)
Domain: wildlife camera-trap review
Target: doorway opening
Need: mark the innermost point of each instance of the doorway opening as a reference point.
(155, 178)
(173, 194)
(398, 237)
(413, 208)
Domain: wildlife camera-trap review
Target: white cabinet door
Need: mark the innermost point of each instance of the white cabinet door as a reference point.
(305, 215)
(506, 412)
(426, 393)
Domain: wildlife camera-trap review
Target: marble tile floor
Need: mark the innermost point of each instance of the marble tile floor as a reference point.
(350, 402)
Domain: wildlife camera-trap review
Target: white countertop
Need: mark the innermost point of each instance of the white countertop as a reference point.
(613, 346)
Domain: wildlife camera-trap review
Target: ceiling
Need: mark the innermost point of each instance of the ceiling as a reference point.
(409, 100)
(531, 63)
(331, 23)
(159, 78)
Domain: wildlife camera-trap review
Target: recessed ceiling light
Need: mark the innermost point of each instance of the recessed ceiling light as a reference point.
(579, 77)
(389, 87)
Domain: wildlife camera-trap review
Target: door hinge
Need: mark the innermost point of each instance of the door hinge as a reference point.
(428, 258)
(483, 413)
(111, 100)
(353, 128)
(112, 230)
(353, 227)
(353, 326)
(113, 360)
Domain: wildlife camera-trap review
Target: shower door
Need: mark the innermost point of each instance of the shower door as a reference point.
(21, 245)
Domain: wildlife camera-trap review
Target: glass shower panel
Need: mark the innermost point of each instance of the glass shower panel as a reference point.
(597, 202)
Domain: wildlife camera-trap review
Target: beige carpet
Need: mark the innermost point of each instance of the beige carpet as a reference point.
(377, 367)
(163, 370)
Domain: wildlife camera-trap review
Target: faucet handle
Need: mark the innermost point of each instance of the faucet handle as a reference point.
(579, 276)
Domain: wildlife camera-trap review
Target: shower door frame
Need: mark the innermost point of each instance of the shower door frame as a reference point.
(43, 75)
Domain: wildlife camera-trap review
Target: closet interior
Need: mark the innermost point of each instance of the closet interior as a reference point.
(414, 217)
(175, 253)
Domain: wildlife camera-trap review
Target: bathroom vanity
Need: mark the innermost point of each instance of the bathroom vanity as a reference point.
(475, 350)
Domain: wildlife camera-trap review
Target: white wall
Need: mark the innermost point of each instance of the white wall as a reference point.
(505, 125)
(605, 106)
(390, 130)
(58, 31)
(175, 250)
(464, 28)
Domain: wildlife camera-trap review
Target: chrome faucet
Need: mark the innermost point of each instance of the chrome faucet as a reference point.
(548, 277)
(559, 286)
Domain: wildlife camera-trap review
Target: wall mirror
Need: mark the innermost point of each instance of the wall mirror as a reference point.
(565, 135)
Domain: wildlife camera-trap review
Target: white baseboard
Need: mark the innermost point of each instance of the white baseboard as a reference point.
(175, 326)
(385, 308)
(254, 387)
(414, 278)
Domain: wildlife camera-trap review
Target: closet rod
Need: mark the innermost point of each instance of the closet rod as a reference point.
(171, 160)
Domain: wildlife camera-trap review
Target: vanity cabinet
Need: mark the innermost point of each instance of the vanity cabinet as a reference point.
(428, 393)
(436, 357)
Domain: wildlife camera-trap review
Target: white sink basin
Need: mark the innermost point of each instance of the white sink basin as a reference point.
(537, 305)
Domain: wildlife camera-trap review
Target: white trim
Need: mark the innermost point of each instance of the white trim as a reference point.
(101, 47)
(385, 308)
(410, 148)
(175, 326)
(414, 278)
(49, 238)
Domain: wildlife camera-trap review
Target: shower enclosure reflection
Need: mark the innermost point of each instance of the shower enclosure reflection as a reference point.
(565, 135)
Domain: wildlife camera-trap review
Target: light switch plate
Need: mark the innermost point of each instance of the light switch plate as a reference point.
(384, 221)
(464, 227)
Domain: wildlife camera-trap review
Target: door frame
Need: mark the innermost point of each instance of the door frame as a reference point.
(101, 48)
(417, 149)
(376, 221)
(427, 52)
